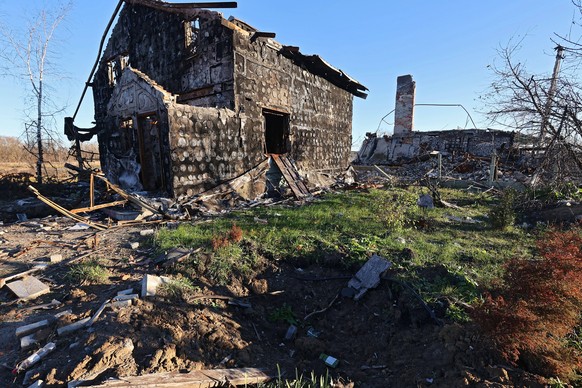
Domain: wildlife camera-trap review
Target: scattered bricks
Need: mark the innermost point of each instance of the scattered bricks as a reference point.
(56, 258)
(28, 288)
(150, 284)
(134, 245)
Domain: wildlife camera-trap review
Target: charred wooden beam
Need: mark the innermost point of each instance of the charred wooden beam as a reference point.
(260, 34)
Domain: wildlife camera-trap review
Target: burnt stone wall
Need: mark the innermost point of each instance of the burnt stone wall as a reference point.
(402, 148)
(207, 148)
(154, 43)
(320, 113)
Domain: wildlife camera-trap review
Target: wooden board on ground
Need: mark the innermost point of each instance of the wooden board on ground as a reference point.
(194, 379)
(28, 288)
(291, 176)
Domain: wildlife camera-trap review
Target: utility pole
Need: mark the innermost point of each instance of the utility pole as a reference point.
(559, 56)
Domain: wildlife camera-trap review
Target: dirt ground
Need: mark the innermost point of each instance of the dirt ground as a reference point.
(386, 339)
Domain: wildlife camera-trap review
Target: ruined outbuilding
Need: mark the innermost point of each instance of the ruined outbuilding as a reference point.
(406, 145)
(186, 99)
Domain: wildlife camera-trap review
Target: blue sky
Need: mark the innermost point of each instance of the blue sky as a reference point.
(446, 45)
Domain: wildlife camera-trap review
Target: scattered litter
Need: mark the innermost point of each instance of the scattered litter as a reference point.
(28, 288)
(79, 226)
(261, 220)
(464, 220)
(311, 332)
(291, 332)
(369, 275)
(330, 361)
(37, 384)
(35, 357)
(21, 217)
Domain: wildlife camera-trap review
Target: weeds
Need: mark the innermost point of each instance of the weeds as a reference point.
(89, 272)
(503, 215)
(177, 289)
(283, 314)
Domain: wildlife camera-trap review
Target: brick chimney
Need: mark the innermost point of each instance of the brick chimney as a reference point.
(404, 111)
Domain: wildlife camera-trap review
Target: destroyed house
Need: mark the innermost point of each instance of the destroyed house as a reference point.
(186, 99)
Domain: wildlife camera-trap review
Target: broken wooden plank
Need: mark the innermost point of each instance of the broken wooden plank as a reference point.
(97, 207)
(291, 176)
(369, 275)
(66, 212)
(28, 288)
(131, 198)
(194, 379)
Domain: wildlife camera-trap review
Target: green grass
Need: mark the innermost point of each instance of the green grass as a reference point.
(177, 289)
(353, 225)
(88, 272)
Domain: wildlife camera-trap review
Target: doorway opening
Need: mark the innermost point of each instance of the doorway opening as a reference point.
(276, 132)
(150, 152)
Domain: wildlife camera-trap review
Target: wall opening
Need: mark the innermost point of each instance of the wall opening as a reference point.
(150, 152)
(191, 35)
(276, 132)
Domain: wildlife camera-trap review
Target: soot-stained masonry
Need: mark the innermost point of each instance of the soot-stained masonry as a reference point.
(186, 99)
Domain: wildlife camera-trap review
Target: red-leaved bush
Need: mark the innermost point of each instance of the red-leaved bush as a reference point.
(234, 235)
(538, 304)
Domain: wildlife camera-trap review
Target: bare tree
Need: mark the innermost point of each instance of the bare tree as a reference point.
(28, 56)
(544, 106)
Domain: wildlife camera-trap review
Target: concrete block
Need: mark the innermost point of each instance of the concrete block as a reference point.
(146, 232)
(73, 327)
(31, 328)
(121, 303)
(150, 284)
(28, 288)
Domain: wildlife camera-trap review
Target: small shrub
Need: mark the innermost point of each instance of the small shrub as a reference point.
(530, 316)
(283, 314)
(89, 272)
(503, 215)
